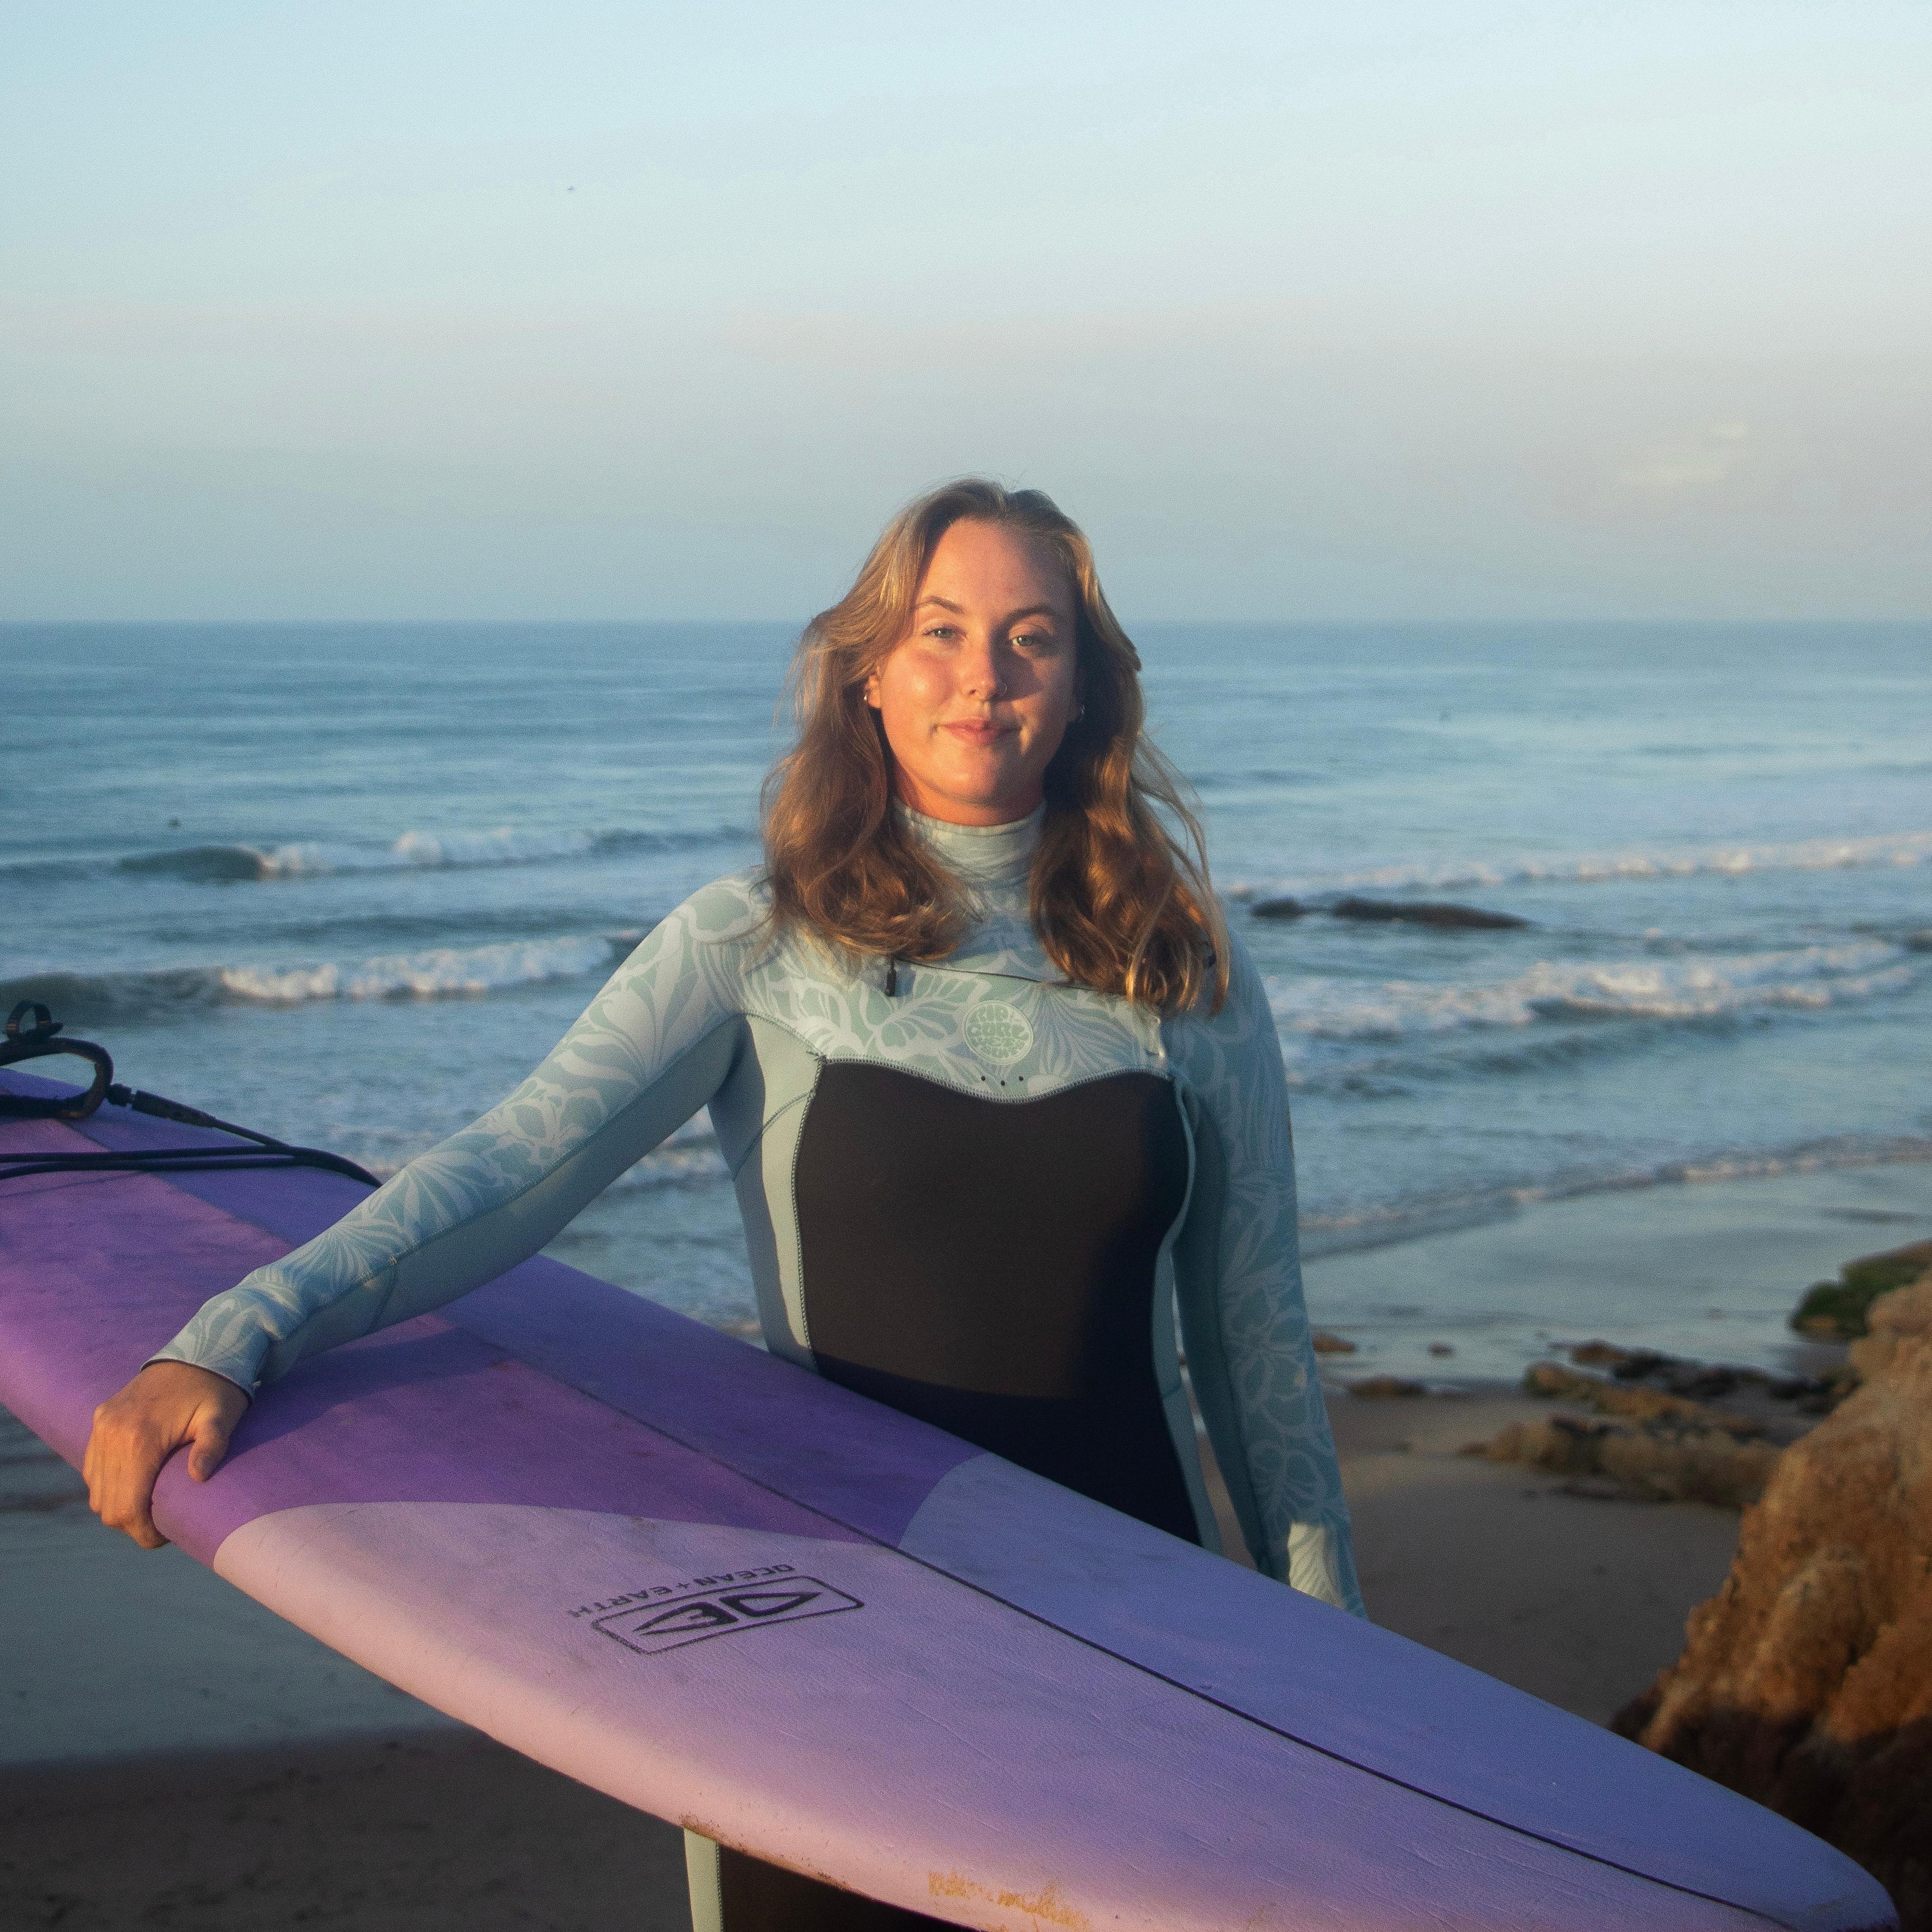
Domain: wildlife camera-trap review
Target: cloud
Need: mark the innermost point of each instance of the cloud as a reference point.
(1703, 461)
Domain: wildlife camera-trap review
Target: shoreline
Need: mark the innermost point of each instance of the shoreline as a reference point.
(1709, 1270)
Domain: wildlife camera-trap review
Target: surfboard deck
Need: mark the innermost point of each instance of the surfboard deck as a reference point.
(747, 1600)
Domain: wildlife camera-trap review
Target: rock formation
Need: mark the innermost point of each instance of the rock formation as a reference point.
(1646, 1405)
(1387, 1388)
(1398, 912)
(1806, 1682)
(1424, 912)
(1836, 1311)
(1892, 1323)
(1659, 1461)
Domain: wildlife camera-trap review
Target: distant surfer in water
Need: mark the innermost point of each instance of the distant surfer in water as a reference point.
(999, 1090)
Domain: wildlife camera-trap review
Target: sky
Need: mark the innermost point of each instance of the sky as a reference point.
(1397, 309)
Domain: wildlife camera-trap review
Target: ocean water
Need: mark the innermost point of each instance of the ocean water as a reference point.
(346, 882)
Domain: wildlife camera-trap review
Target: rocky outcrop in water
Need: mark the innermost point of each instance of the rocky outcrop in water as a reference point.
(1806, 1682)
(1425, 912)
(1396, 912)
(1838, 1311)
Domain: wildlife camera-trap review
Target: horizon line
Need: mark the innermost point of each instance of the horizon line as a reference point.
(1300, 621)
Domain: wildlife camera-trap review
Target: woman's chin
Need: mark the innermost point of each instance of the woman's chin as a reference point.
(977, 798)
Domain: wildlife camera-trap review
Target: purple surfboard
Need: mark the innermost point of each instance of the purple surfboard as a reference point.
(747, 1600)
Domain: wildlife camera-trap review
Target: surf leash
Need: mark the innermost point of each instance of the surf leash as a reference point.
(32, 1033)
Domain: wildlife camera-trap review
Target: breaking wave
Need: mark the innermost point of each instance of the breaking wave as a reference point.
(439, 973)
(442, 973)
(1309, 1008)
(242, 862)
(1803, 855)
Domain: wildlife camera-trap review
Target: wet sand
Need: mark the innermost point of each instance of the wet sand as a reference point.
(426, 1833)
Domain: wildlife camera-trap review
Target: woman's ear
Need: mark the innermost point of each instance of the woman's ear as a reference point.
(870, 691)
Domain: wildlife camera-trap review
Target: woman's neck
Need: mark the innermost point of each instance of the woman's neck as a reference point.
(982, 855)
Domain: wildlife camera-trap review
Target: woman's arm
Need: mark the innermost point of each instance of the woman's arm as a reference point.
(646, 1054)
(648, 1051)
(1238, 1271)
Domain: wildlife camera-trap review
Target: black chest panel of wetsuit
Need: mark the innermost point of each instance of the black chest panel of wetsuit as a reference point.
(989, 1267)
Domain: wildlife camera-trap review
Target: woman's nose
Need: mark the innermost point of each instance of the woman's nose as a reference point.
(980, 673)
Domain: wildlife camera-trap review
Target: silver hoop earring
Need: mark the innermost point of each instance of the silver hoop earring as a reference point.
(1077, 715)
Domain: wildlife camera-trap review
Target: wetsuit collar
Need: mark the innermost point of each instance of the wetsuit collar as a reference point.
(983, 855)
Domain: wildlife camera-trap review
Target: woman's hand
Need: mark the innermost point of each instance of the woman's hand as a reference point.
(167, 1405)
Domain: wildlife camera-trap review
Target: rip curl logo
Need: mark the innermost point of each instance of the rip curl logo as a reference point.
(651, 1629)
(999, 1034)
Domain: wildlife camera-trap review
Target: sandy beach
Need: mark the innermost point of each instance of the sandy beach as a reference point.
(174, 1756)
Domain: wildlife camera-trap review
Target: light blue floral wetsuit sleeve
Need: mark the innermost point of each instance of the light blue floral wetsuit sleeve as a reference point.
(1237, 1272)
(648, 1053)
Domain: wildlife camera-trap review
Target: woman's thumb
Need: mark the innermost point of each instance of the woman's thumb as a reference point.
(208, 1443)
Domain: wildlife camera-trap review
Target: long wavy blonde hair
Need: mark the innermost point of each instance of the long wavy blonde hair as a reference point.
(1120, 895)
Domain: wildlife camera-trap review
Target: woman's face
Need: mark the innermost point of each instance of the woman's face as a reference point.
(977, 694)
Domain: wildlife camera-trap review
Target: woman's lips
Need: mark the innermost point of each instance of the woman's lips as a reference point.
(978, 730)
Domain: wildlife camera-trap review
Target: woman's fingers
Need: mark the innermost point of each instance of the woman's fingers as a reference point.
(124, 1457)
(135, 1431)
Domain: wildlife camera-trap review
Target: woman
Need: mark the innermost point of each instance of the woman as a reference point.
(995, 1085)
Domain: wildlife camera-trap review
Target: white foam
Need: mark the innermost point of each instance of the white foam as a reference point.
(1310, 1007)
(432, 975)
(503, 846)
(1804, 855)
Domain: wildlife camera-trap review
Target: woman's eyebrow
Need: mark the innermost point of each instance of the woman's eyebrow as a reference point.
(1011, 617)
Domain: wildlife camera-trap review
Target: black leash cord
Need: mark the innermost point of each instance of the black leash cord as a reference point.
(181, 1160)
(37, 1041)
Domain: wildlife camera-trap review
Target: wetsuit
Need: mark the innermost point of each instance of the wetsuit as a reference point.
(969, 1191)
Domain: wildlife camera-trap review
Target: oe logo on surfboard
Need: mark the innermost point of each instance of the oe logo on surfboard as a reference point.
(651, 1628)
